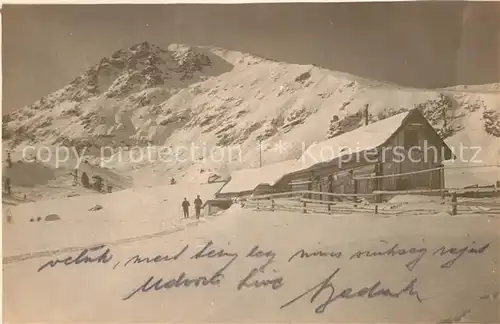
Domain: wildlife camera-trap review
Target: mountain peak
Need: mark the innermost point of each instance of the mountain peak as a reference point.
(143, 65)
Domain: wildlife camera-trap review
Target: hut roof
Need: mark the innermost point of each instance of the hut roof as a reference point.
(365, 138)
(248, 179)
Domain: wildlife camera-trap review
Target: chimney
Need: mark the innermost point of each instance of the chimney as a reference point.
(366, 114)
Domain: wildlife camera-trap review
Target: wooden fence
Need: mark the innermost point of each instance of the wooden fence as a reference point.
(299, 201)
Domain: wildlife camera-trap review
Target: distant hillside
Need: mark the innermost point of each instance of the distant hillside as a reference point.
(185, 95)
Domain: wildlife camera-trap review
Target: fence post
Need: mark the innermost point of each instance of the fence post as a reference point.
(309, 187)
(454, 203)
(10, 219)
(378, 166)
(272, 204)
(376, 209)
(330, 187)
(305, 211)
(441, 181)
(355, 185)
(329, 209)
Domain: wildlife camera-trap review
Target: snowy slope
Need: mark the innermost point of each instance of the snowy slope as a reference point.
(225, 103)
(446, 293)
(124, 214)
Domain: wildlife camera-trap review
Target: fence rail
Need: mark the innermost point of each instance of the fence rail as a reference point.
(447, 168)
(298, 201)
(301, 193)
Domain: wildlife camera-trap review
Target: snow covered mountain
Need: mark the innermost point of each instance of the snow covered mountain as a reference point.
(215, 98)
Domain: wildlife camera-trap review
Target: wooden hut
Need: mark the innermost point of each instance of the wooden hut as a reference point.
(369, 157)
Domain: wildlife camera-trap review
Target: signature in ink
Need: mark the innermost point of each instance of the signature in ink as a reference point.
(373, 291)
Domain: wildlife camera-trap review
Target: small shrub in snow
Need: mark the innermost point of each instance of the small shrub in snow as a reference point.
(437, 112)
(309, 83)
(75, 111)
(238, 102)
(46, 122)
(248, 131)
(297, 117)
(351, 84)
(155, 110)
(340, 126)
(241, 113)
(389, 113)
(272, 128)
(333, 129)
(259, 95)
(278, 121)
(435, 109)
(324, 95)
(196, 90)
(225, 128)
(344, 104)
(224, 139)
(475, 106)
(492, 122)
(96, 208)
(6, 133)
(303, 77)
(52, 217)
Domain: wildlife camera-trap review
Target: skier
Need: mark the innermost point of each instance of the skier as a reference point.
(172, 181)
(197, 206)
(185, 208)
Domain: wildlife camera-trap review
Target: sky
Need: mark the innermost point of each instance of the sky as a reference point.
(426, 44)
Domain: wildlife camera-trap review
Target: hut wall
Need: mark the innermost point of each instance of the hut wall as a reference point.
(413, 148)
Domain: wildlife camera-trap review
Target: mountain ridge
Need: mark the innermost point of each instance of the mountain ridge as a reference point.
(149, 96)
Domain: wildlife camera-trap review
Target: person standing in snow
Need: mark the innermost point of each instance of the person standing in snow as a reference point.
(197, 206)
(185, 208)
(8, 188)
(9, 160)
(75, 177)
